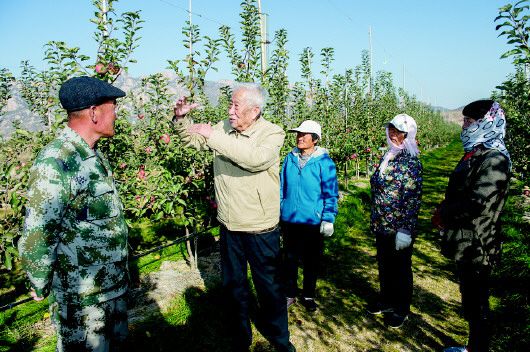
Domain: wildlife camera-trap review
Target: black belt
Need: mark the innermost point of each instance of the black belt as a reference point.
(257, 232)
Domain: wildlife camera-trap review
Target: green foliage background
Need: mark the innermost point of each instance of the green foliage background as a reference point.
(161, 181)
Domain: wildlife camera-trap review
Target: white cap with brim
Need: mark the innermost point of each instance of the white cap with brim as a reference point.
(309, 126)
(406, 123)
(401, 123)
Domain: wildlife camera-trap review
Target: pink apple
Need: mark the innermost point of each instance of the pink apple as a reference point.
(100, 68)
(165, 138)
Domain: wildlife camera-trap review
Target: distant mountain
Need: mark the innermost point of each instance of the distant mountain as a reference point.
(439, 108)
(17, 109)
(454, 116)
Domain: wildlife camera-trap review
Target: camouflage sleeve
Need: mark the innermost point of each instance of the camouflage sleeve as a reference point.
(48, 194)
(411, 197)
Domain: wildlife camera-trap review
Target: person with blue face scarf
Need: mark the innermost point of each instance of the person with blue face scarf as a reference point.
(468, 218)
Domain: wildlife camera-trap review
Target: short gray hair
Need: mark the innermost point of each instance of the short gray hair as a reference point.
(256, 94)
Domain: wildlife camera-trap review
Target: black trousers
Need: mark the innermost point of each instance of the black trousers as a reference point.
(262, 252)
(395, 274)
(474, 287)
(303, 244)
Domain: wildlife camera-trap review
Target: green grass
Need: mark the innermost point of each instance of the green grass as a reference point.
(196, 320)
(511, 277)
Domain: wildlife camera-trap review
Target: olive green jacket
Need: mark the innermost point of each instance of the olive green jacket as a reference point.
(246, 172)
(74, 241)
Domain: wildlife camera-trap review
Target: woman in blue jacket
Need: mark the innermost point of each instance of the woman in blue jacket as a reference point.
(308, 195)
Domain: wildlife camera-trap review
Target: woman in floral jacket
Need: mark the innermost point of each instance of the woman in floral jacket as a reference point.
(396, 195)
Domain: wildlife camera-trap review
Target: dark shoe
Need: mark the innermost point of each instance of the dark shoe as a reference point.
(395, 320)
(239, 348)
(290, 348)
(290, 301)
(309, 304)
(379, 308)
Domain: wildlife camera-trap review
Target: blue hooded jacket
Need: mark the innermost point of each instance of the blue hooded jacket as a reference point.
(309, 195)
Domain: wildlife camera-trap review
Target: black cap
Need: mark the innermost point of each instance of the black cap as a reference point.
(82, 92)
(477, 109)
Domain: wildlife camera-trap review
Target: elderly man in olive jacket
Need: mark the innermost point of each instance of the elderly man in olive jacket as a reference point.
(74, 244)
(246, 163)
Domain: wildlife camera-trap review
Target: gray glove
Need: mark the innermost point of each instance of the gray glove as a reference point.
(326, 228)
(403, 240)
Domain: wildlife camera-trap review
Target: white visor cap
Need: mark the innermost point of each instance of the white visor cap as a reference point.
(309, 126)
(401, 122)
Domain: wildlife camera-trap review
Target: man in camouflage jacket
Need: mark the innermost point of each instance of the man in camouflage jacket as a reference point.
(74, 244)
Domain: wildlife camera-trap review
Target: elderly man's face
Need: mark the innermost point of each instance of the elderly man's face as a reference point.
(241, 114)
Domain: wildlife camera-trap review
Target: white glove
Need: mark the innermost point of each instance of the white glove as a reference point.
(326, 228)
(403, 240)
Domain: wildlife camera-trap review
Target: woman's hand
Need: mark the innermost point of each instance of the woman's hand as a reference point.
(326, 228)
(403, 240)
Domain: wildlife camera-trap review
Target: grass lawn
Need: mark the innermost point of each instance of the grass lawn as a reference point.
(196, 320)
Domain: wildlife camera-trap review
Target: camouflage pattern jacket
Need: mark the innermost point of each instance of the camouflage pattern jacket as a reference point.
(474, 199)
(75, 236)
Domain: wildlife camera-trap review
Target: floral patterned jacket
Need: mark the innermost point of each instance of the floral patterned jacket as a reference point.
(396, 196)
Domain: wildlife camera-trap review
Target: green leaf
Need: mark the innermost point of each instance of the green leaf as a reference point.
(510, 53)
(507, 23)
(22, 132)
(505, 8)
(9, 254)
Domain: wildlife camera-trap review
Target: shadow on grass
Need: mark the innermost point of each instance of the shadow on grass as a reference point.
(10, 339)
(17, 332)
(195, 324)
(193, 321)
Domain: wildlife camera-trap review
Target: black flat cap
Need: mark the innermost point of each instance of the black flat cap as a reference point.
(477, 109)
(82, 92)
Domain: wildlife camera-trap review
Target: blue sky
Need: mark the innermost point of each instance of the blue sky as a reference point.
(449, 49)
